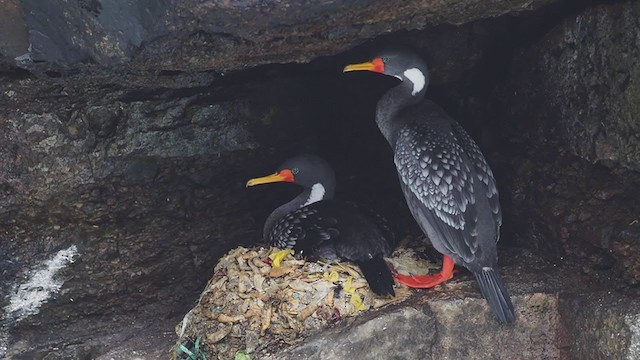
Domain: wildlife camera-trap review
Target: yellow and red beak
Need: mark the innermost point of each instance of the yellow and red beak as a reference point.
(375, 65)
(282, 176)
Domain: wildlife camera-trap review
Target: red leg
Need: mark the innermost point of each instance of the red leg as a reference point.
(428, 281)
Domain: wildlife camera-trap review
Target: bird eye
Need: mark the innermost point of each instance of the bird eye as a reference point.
(295, 171)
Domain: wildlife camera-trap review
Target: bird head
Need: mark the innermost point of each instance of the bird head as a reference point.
(306, 170)
(400, 63)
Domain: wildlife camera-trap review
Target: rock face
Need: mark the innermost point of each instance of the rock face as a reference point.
(223, 35)
(127, 178)
(579, 113)
(588, 79)
(606, 330)
(373, 335)
(603, 326)
(125, 137)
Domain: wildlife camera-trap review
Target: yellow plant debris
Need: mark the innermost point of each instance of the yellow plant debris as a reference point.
(250, 305)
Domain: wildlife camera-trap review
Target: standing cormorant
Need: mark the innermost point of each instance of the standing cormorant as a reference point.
(446, 180)
(322, 228)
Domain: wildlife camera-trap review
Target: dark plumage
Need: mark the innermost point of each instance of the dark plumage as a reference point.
(448, 185)
(322, 228)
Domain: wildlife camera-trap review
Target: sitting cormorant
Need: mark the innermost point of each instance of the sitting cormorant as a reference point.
(446, 180)
(322, 228)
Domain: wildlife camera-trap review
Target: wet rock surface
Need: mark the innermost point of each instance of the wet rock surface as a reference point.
(603, 326)
(584, 85)
(578, 114)
(116, 291)
(370, 336)
(222, 35)
(142, 166)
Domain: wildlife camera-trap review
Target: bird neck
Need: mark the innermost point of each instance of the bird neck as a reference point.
(309, 196)
(391, 103)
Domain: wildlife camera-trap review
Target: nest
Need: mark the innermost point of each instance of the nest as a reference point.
(252, 304)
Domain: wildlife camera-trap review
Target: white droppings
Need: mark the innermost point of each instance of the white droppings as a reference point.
(633, 321)
(417, 79)
(41, 285)
(317, 194)
(4, 342)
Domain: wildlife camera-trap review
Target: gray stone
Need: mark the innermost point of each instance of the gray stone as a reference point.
(550, 325)
(573, 99)
(127, 150)
(584, 81)
(603, 326)
(222, 35)
(371, 336)
(14, 37)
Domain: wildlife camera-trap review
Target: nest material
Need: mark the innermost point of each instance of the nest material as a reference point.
(251, 305)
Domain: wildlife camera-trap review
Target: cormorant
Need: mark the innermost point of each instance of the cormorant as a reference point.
(448, 185)
(322, 228)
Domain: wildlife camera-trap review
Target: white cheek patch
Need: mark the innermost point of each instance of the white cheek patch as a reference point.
(417, 79)
(317, 194)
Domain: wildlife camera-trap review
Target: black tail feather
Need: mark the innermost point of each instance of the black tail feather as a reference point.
(494, 291)
(378, 276)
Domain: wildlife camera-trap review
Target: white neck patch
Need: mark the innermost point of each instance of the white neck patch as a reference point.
(417, 79)
(317, 194)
